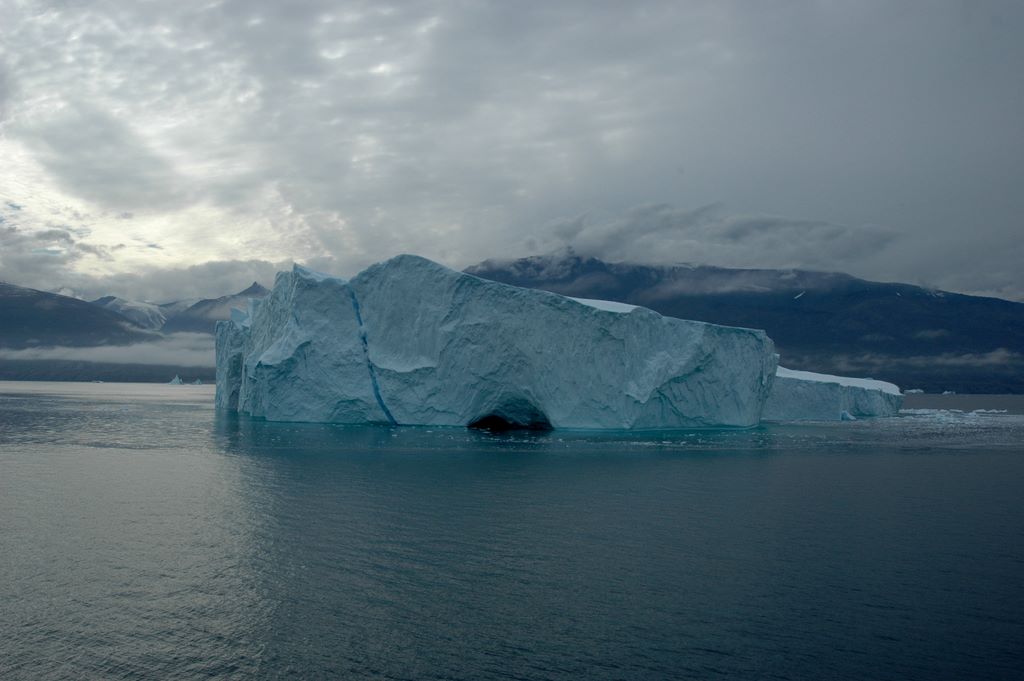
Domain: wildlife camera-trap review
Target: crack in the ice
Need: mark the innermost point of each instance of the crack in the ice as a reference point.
(369, 364)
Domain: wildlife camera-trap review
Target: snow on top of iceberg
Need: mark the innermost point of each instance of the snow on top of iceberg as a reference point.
(866, 383)
(606, 305)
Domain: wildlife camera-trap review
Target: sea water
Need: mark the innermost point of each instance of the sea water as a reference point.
(145, 536)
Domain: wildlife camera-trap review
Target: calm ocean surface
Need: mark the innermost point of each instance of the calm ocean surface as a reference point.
(145, 536)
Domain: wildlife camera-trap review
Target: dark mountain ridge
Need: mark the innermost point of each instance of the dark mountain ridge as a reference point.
(31, 318)
(38, 319)
(820, 321)
(202, 316)
(828, 322)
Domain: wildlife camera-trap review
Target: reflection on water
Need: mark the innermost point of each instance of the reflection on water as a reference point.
(143, 535)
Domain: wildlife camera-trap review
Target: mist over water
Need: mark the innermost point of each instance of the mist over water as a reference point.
(143, 535)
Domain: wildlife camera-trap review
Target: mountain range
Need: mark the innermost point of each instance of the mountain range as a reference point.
(34, 318)
(201, 316)
(32, 322)
(38, 318)
(828, 322)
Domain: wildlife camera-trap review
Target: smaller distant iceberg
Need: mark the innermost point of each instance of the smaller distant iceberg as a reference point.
(198, 381)
(807, 396)
(176, 380)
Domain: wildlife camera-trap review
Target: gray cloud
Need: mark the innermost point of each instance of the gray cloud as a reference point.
(1001, 357)
(663, 233)
(61, 235)
(44, 258)
(181, 349)
(98, 251)
(6, 88)
(206, 280)
(874, 137)
(32, 261)
(98, 157)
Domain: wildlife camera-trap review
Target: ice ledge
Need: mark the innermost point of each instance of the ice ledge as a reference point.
(865, 383)
(807, 396)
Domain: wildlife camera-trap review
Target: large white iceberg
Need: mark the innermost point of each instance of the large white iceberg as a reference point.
(411, 342)
(807, 396)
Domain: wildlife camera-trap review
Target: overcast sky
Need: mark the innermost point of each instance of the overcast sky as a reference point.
(165, 150)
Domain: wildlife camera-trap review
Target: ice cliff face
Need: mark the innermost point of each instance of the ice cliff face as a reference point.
(411, 342)
(806, 396)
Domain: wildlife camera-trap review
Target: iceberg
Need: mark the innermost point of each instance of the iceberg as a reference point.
(807, 396)
(411, 342)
